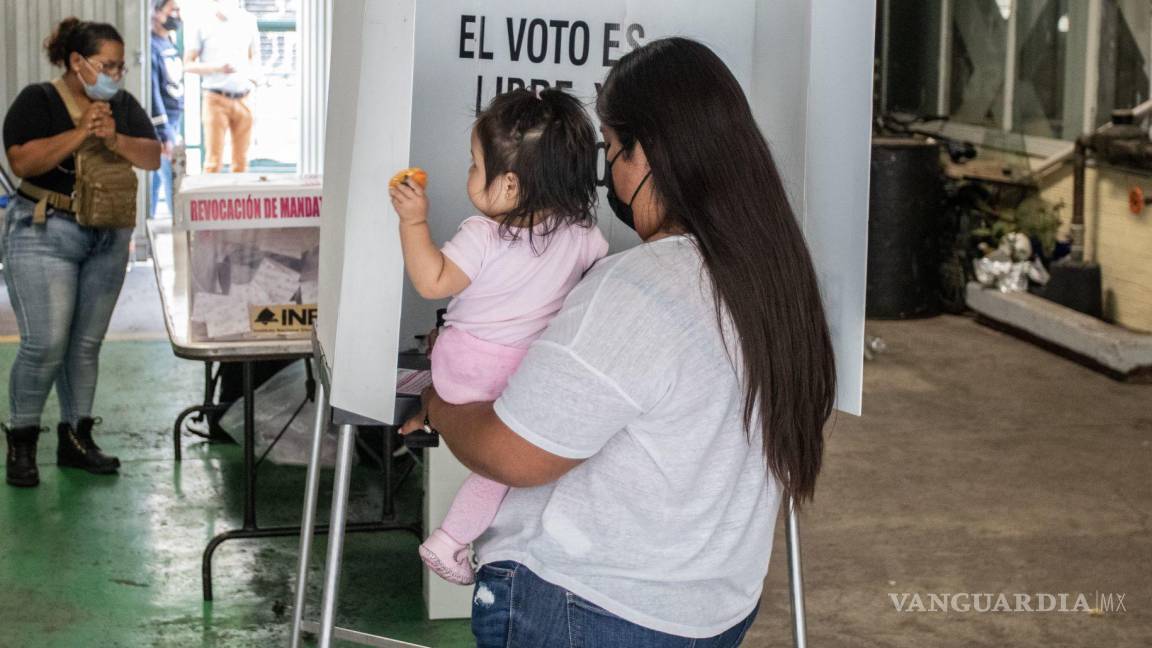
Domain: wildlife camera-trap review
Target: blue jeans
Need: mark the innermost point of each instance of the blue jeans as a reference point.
(547, 615)
(63, 282)
(163, 177)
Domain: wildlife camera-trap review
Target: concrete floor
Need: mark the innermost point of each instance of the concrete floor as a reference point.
(982, 465)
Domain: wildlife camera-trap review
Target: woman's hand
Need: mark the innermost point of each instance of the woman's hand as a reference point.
(106, 130)
(97, 116)
(410, 202)
(417, 422)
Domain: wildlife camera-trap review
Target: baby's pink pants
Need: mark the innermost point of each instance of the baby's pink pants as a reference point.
(466, 369)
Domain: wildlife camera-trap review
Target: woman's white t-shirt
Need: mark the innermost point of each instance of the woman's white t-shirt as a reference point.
(668, 522)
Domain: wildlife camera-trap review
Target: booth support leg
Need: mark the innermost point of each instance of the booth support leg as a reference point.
(336, 534)
(795, 576)
(311, 491)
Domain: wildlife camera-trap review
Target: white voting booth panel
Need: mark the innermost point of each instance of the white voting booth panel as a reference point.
(367, 138)
(406, 79)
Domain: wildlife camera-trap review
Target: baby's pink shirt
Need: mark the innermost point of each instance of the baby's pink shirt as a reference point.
(515, 291)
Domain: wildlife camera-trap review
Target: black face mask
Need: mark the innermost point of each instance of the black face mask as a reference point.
(173, 23)
(622, 210)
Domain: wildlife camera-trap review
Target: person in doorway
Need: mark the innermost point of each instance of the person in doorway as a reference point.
(167, 94)
(223, 50)
(63, 277)
(678, 398)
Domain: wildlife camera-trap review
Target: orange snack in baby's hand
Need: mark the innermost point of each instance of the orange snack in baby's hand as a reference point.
(416, 174)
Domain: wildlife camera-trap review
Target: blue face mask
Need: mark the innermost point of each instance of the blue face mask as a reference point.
(105, 87)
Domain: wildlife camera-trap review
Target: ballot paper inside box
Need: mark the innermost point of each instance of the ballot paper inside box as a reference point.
(253, 283)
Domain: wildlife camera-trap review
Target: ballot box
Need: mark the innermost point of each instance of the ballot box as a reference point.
(253, 254)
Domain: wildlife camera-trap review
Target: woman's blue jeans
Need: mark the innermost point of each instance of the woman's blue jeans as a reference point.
(63, 281)
(514, 608)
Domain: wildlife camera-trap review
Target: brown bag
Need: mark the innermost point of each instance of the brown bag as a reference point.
(104, 196)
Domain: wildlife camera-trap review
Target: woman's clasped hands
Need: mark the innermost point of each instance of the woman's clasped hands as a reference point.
(97, 121)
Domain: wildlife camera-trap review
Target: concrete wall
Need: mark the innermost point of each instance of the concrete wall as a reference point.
(1115, 238)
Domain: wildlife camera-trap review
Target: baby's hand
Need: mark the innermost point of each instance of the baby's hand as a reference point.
(410, 202)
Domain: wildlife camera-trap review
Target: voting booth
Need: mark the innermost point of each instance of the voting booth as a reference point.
(253, 254)
(406, 80)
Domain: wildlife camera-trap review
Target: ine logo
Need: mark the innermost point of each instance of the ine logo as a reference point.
(282, 318)
(266, 317)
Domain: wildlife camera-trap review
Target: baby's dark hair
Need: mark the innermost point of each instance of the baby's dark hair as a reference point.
(75, 35)
(548, 141)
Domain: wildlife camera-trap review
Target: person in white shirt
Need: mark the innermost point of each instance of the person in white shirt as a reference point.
(223, 50)
(678, 397)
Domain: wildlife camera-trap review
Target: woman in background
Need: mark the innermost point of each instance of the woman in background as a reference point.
(64, 278)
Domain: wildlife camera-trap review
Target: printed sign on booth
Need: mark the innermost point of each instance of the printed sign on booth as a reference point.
(469, 52)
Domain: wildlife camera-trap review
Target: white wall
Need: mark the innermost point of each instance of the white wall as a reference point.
(838, 150)
(812, 97)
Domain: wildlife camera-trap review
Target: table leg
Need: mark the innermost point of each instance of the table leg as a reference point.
(249, 450)
(343, 471)
(389, 509)
(176, 450)
(206, 411)
(288, 532)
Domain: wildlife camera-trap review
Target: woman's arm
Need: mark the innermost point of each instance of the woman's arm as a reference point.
(142, 152)
(433, 275)
(39, 156)
(488, 447)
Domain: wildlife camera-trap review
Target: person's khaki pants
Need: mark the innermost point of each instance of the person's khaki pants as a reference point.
(221, 116)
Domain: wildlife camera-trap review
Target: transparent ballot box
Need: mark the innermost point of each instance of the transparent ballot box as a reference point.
(253, 255)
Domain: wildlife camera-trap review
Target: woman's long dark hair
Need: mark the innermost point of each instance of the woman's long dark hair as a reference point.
(714, 175)
(75, 35)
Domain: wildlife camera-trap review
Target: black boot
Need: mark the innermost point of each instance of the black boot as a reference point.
(21, 464)
(77, 449)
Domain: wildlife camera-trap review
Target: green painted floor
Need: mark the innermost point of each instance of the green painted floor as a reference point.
(90, 561)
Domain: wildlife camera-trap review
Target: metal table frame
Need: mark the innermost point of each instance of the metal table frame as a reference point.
(170, 254)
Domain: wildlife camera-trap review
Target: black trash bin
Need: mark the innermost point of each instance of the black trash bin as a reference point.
(904, 216)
